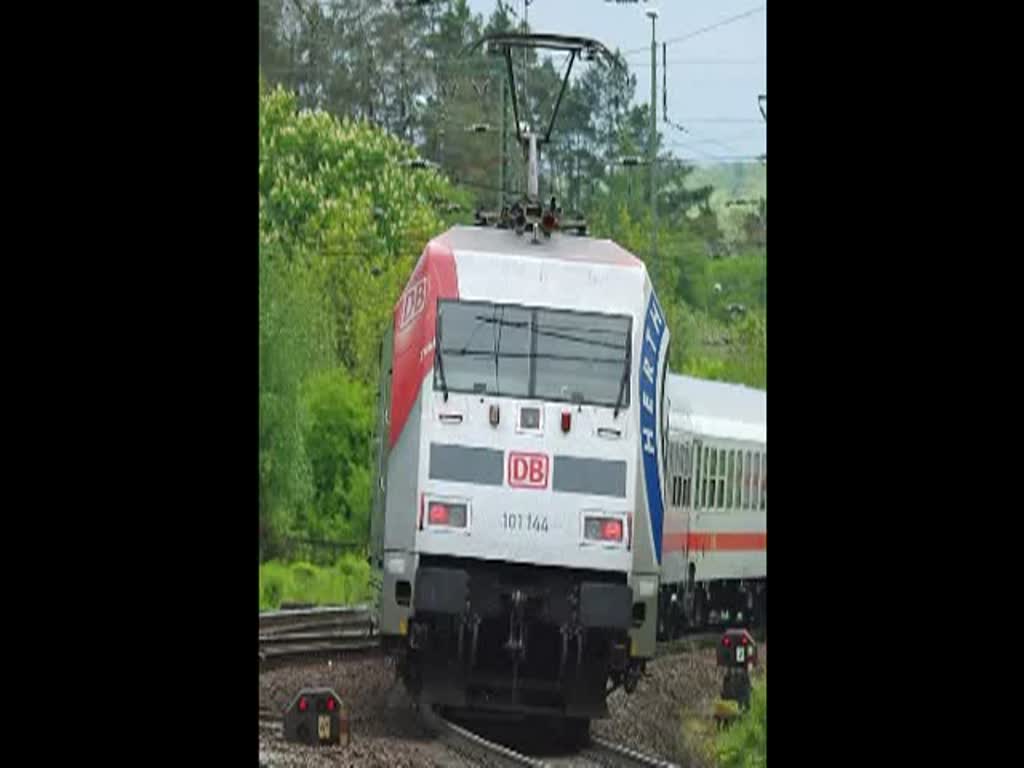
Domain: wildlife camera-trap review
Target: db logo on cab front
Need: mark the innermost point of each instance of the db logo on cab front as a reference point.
(527, 470)
(413, 303)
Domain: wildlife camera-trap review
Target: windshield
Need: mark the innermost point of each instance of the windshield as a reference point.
(546, 354)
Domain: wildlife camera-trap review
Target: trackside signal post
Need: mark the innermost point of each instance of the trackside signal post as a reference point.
(738, 654)
(318, 717)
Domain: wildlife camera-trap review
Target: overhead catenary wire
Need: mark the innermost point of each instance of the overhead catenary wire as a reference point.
(456, 66)
(701, 30)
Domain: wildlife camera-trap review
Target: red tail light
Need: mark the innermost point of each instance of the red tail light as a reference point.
(303, 704)
(726, 641)
(743, 640)
(603, 529)
(566, 421)
(447, 514)
(439, 514)
(330, 703)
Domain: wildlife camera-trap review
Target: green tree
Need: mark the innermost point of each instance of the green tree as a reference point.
(337, 440)
(295, 340)
(342, 218)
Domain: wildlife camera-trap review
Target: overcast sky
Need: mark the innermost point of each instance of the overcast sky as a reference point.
(714, 77)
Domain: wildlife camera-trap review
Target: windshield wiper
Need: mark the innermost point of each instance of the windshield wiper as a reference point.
(625, 376)
(439, 362)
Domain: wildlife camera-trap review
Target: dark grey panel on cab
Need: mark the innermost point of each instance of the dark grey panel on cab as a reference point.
(463, 464)
(599, 477)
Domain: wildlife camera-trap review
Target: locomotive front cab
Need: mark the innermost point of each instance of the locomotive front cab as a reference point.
(526, 527)
(518, 554)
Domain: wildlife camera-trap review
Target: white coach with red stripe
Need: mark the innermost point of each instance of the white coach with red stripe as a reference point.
(716, 492)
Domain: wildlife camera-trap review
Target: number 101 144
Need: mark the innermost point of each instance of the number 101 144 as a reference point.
(520, 521)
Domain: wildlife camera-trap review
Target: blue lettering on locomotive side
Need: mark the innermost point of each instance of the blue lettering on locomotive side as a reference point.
(653, 332)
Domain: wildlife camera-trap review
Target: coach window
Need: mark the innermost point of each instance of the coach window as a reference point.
(764, 481)
(677, 473)
(698, 465)
(672, 449)
(721, 476)
(687, 474)
(705, 476)
(684, 460)
(740, 477)
(755, 486)
(736, 479)
(670, 468)
(730, 472)
(747, 479)
(720, 480)
(723, 479)
(726, 471)
(712, 476)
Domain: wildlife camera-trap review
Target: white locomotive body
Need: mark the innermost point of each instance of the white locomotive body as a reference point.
(517, 522)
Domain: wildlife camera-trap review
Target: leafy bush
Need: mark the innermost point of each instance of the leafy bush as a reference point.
(337, 440)
(342, 220)
(344, 583)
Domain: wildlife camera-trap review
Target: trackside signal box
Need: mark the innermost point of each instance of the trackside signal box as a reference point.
(737, 650)
(318, 717)
(738, 654)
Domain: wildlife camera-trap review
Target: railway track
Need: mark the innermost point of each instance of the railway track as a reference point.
(339, 629)
(598, 753)
(687, 644)
(322, 631)
(311, 631)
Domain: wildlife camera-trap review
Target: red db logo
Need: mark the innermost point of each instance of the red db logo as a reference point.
(527, 470)
(413, 303)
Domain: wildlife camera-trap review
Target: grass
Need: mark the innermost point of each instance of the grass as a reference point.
(742, 744)
(745, 743)
(344, 583)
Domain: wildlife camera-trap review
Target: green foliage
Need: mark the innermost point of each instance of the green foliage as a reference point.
(344, 583)
(342, 219)
(745, 743)
(711, 339)
(295, 340)
(337, 440)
